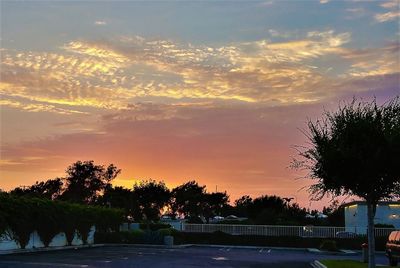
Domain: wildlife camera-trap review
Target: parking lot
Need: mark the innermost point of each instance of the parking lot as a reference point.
(129, 256)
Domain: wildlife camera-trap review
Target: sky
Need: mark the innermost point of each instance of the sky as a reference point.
(214, 91)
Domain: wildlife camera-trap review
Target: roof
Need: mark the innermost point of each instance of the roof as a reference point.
(383, 203)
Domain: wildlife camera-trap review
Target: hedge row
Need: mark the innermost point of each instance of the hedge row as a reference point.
(220, 238)
(22, 216)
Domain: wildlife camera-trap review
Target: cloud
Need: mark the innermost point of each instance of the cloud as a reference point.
(323, 1)
(393, 14)
(391, 4)
(37, 107)
(100, 22)
(116, 74)
(388, 16)
(373, 61)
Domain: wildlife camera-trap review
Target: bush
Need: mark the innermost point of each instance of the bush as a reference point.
(46, 220)
(22, 216)
(328, 245)
(167, 231)
(383, 225)
(153, 226)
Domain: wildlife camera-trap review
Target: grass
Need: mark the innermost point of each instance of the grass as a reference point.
(346, 264)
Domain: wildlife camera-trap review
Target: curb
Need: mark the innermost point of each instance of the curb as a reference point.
(34, 250)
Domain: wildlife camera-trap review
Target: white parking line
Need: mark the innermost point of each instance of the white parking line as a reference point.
(261, 250)
(269, 251)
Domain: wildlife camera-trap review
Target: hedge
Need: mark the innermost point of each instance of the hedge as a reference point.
(22, 216)
(220, 238)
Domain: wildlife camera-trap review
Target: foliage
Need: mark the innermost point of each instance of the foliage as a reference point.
(383, 225)
(22, 216)
(188, 199)
(125, 237)
(50, 189)
(153, 226)
(120, 197)
(167, 231)
(85, 181)
(151, 196)
(214, 204)
(328, 245)
(346, 264)
(356, 151)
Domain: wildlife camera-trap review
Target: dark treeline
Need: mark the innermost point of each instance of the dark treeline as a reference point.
(88, 183)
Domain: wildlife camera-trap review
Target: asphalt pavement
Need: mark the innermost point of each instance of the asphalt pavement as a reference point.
(130, 256)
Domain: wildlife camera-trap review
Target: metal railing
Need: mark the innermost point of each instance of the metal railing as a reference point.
(277, 230)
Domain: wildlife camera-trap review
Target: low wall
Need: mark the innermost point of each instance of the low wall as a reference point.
(35, 242)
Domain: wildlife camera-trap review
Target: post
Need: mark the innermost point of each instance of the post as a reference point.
(371, 207)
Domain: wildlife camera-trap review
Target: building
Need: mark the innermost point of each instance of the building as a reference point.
(356, 220)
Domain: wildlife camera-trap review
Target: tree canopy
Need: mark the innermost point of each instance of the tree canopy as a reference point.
(355, 151)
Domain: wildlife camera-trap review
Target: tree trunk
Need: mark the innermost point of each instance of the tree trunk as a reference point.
(371, 234)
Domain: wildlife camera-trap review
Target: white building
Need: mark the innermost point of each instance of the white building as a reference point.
(356, 220)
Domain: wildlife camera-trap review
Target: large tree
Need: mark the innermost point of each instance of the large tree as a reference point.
(356, 151)
(151, 197)
(188, 199)
(214, 204)
(85, 181)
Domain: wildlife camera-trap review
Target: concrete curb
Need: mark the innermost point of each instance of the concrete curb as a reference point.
(33, 250)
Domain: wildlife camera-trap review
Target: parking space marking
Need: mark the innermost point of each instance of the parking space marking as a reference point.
(269, 251)
(220, 258)
(261, 250)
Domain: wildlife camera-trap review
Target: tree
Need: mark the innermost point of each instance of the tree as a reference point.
(119, 197)
(151, 197)
(49, 189)
(214, 203)
(356, 151)
(242, 205)
(85, 181)
(188, 199)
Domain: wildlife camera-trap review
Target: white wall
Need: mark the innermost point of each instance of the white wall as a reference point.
(356, 216)
(34, 242)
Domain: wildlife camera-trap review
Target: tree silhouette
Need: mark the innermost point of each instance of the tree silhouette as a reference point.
(50, 189)
(151, 197)
(85, 181)
(214, 204)
(356, 151)
(188, 199)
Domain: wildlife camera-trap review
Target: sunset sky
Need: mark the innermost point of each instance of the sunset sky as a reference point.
(213, 91)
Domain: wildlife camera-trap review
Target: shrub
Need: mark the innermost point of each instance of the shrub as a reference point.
(383, 225)
(167, 231)
(153, 226)
(46, 220)
(23, 215)
(19, 218)
(328, 245)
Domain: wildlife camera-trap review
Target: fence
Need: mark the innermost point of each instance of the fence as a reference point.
(274, 230)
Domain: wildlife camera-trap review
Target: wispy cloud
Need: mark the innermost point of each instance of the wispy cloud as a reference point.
(388, 16)
(392, 14)
(100, 22)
